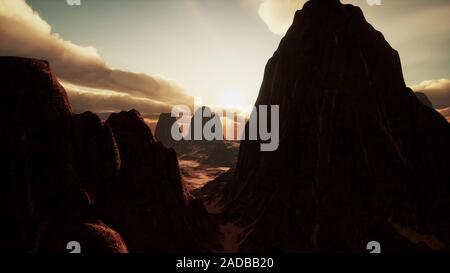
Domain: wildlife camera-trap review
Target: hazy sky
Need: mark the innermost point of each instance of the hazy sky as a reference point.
(211, 46)
(216, 49)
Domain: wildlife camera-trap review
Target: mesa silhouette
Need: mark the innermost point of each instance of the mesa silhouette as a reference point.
(360, 158)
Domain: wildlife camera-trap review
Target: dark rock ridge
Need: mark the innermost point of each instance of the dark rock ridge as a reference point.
(96, 157)
(423, 98)
(360, 158)
(163, 130)
(153, 211)
(66, 177)
(40, 187)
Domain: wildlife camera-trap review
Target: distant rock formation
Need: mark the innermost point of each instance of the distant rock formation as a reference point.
(424, 99)
(214, 153)
(204, 115)
(70, 177)
(166, 121)
(360, 158)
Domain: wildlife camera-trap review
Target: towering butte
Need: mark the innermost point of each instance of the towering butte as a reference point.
(360, 158)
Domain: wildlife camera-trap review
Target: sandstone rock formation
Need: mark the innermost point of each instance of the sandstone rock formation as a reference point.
(164, 128)
(152, 209)
(212, 153)
(96, 157)
(360, 158)
(69, 177)
(202, 116)
(41, 187)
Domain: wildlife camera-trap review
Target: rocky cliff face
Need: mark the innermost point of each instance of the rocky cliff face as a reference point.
(96, 157)
(152, 209)
(360, 158)
(42, 187)
(163, 130)
(64, 176)
(423, 98)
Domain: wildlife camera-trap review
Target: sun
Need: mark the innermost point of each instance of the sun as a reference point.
(234, 99)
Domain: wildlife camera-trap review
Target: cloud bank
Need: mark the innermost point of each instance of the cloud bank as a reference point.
(279, 14)
(24, 33)
(446, 113)
(438, 91)
(107, 102)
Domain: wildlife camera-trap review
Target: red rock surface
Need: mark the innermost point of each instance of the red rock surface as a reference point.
(34, 150)
(359, 155)
(61, 173)
(163, 130)
(152, 209)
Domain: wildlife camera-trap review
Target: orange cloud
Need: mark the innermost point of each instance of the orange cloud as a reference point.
(446, 113)
(438, 91)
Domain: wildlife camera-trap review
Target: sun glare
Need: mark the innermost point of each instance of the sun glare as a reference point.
(234, 99)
